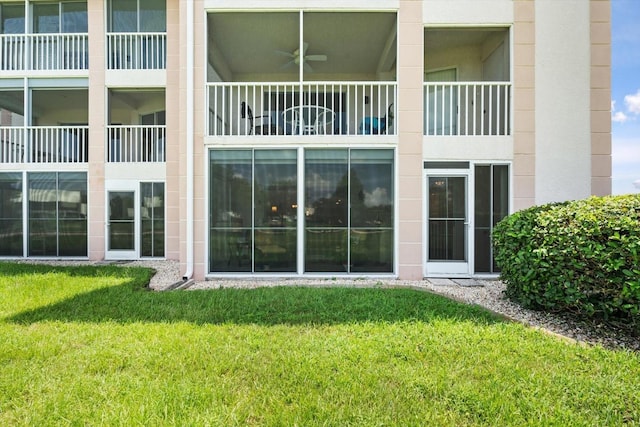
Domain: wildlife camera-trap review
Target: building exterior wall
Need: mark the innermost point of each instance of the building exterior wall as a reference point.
(97, 120)
(600, 56)
(524, 118)
(563, 146)
(410, 205)
(558, 147)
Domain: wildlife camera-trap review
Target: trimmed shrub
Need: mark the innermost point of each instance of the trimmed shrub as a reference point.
(581, 257)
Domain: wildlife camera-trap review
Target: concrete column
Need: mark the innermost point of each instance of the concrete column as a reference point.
(409, 124)
(97, 120)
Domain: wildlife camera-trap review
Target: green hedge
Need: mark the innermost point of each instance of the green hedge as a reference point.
(581, 257)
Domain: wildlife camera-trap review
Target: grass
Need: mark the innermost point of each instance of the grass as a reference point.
(90, 346)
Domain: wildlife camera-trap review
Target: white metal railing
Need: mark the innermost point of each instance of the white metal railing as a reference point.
(12, 144)
(312, 108)
(136, 143)
(58, 144)
(12, 52)
(59, 51)
(136, 51)
(44, 52)
(467, 108)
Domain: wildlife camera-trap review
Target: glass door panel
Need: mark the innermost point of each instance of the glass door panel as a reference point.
(121, 224)
(447, 225)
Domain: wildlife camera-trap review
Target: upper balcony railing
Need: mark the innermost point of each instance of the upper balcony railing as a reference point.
(44, 144)
(136, 143)
(136, 51)
(294, 109)
(467, 109)
(21, 52)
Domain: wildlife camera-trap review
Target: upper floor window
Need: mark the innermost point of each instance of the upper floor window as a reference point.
(134, 16)
(60, 17)
(12, 18)
(45, 18)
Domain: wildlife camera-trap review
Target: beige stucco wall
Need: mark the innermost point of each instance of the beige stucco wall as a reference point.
(97, 117)
(199, 153)
(563, 88)
(600, 32)
(410, 203)
(524, 116)
(172, 105)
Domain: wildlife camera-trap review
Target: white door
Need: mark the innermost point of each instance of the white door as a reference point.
(448, 224)
(122, 225)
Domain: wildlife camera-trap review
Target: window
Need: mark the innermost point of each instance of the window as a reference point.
(152, 219)
(491, 206)
(253, 211)
(132, 16)
(12, 18)
(348, 211)
(57, 213)
(63, 17)
(11, 214)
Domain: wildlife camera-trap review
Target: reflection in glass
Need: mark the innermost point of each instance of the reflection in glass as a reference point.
(349, 190)
(12, 18)
(11, 214)
(121, 220)
(72, 214)
(43, 214)
(326, 210)
(491, 206)
(57, 214)
(275, 210)
(371, 190)
(230, 210)
(74, 17)
(253, 210)
(152, 219)
(45, 18)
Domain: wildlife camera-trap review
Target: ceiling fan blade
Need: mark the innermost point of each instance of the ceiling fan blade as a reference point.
(287, 65)
(283, 53)
(315, 58)
(304, 48)
(307, 67)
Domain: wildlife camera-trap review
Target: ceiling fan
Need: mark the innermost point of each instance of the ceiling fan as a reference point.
(296, 57)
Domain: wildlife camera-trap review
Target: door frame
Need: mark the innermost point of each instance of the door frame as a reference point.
(449, 268)
(123, 186)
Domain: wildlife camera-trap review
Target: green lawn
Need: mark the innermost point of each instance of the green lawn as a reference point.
(91, 346)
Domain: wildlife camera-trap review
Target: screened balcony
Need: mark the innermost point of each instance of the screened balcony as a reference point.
(55, 39)
(282, 74)
(137, 35)
(56, 131)
(136, 132)
(467, 88)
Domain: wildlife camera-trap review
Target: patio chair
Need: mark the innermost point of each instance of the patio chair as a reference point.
(258, 125)
(324, 119)
(377, 125)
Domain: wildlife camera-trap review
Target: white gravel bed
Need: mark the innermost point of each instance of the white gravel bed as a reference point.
(485, 293)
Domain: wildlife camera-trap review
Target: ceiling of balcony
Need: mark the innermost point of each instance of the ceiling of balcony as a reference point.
(448, 38)
(242, 45)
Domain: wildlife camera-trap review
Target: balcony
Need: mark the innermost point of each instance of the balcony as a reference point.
(285, 74)
(44, 144)
(467, 88)
(136, 144)
(137, 130)
(137, 51)
(43, 52)
(467, 109)
(295, 109)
